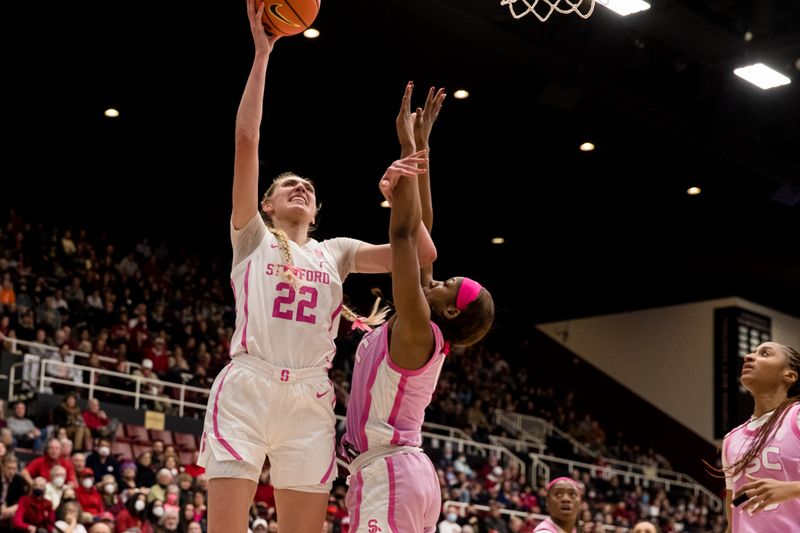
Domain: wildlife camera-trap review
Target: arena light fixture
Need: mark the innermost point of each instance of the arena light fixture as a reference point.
(625, 7)
(461, 94)
(587, 147)
(311, 33)
(111, 112)
(762, 76)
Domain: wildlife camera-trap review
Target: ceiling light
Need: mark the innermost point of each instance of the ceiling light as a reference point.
(762, 76)
(111, 113)
(748, 36)
(693, 191)
(461, 94)
(625, 7)
(587, 147)
(385, 203)
(311, 33)
(498, 240)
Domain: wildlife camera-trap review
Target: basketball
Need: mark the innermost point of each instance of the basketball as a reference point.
(289, 17)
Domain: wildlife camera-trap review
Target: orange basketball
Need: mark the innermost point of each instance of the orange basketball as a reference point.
(289, 17)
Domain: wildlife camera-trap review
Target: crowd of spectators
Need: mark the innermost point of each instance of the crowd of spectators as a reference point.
(168, 315)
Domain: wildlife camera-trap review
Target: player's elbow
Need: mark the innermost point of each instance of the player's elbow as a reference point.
(427, 255)
(246, 136)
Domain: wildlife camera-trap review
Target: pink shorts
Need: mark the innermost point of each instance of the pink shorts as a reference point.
(397, 494)
(256, 411)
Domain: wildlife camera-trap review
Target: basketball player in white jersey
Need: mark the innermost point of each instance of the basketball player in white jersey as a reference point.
(274, 399)
(393, 484)
(761, 458)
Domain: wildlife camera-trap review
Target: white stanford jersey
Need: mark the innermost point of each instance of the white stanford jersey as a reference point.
(289, 326)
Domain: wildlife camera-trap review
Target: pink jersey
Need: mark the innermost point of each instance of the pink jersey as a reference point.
(780, 459)
(387, 403)
(290, 326)
(548, 526)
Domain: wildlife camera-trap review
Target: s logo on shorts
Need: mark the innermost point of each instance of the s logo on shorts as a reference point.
(373, 526)
(284, 375)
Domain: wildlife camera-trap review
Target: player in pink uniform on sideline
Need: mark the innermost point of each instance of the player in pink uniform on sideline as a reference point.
(761, 458)
(563, 506)
(393, 485)
(274, 398)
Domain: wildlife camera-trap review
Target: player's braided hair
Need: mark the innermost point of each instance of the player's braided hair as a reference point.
(774, 421)
(376, 317)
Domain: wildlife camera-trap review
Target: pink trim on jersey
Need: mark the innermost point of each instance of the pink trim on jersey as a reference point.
(407, 372)
(359, 496)
(362, 424)
(330, 466)
(219, 437)
(333, 316)
(392, 494)
(398, 400)
(246, 315)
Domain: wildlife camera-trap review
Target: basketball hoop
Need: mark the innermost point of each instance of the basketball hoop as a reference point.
(564, 7)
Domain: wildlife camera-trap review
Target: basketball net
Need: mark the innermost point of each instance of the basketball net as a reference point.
(520, 8)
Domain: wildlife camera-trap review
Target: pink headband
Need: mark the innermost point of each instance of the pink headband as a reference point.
(568, 480)
(467, 293)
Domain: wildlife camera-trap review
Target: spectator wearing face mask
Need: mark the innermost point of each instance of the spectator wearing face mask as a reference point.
(55, 487)
(109, 489)
(89, 498)
(156, 511)
(450, 524)
(134, 514)
(33, 511)
(102, 462)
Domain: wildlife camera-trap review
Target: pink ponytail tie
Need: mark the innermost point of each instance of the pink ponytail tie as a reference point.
(359, 323)
(467, 293)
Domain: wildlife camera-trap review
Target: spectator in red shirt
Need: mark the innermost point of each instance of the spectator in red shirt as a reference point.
(133, 515)
(41, 466)
(34, 511)
(90, 499)
(159, 354)
(192, 469)
(97, 420)
(265, 492)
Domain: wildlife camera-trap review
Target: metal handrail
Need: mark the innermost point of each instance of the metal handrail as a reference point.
(55, 349)
(137, 394)
(640, 479)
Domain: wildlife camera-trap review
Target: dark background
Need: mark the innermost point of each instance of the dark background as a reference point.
(585, 233)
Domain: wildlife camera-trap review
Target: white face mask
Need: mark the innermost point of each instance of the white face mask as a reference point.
(87, 482)
(139, 505)
(109, 488)
(58, 481)
(103, 451)
(158, 511)
(452, 517)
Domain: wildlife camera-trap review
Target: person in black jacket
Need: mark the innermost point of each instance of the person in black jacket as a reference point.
(12, 487)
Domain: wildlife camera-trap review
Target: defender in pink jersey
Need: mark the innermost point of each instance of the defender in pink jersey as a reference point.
(393, 486)
(761, 458)
(274, 398)
(564, 497)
